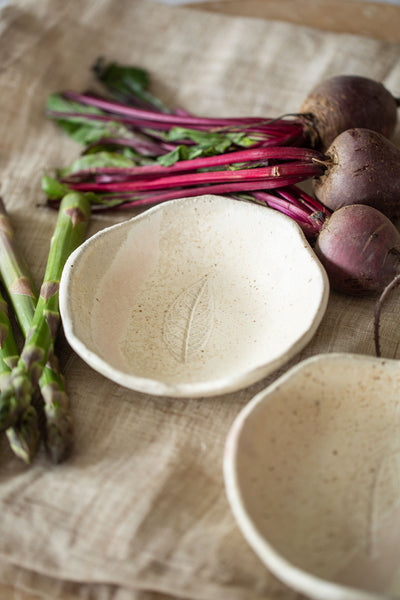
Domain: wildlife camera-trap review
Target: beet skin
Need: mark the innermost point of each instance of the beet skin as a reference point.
(360, 250)
(349, 101)
(363, 167)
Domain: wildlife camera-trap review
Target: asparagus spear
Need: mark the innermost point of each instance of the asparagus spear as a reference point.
(24, 437)
(71, 225)
(19, 283)
(15, 274)
(59, 433)
(8, 346)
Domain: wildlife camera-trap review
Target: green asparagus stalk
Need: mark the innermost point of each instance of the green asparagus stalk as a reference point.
(19, 283)
(15, 274)
(8, 346)
(15, 400)
(59, 431)
(24, 437)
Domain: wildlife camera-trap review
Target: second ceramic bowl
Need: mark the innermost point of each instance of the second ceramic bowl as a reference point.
(312, 472)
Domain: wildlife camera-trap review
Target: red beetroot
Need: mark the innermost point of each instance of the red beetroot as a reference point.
(363, 167)
(360, 250)
(349, 101)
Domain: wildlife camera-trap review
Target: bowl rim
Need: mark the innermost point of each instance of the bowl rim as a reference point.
(296, 578)
(212, 387)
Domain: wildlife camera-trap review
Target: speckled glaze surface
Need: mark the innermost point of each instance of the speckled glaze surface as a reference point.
(312, 473)
(194, 297)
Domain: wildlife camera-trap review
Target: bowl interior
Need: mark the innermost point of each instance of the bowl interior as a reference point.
(195, 296)
(313, 474)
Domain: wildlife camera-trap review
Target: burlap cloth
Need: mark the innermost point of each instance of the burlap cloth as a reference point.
(139, 511)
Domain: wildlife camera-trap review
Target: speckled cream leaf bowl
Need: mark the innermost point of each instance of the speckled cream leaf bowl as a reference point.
(312, 473)
(194, 297)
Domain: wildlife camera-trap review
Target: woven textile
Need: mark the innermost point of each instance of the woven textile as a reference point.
(139, 511)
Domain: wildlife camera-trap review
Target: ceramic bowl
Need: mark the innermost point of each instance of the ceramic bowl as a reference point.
(195, 297)
(312, 473)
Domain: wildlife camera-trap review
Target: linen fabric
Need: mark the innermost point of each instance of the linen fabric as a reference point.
(139, 511)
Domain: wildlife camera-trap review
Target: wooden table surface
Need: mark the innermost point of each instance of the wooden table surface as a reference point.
(373, 19)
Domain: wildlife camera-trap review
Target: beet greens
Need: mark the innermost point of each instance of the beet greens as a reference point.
(137, 152)
(131, 119)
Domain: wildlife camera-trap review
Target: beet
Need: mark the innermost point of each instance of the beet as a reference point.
(360, 250)
(349, 101)
(363, 167)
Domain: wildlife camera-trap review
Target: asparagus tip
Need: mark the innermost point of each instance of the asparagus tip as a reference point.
(9, 408)
(59, 439)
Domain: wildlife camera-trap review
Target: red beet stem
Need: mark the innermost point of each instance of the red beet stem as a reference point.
(188, 121)
(252, 154)
(145, 147)
(308, 213)
(295, 194)
(284, 200)
(272, 176)
(268, 135)
(128, 199)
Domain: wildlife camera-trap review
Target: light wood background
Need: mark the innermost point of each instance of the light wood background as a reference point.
(372, 19)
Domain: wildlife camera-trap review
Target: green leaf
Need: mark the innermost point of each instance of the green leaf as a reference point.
(129, 153)
(82, 133)
(172, 157)
(199, 137)
(53, 188)
(206, 143)
(57, 103)
(127, 83)
(98, 159)
(74, 119)
(216, 139)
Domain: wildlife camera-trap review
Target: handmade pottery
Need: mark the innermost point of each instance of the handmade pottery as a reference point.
(195, 297)
(312, 473)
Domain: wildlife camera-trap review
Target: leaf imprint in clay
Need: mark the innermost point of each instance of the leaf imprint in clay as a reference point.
(189, 320)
